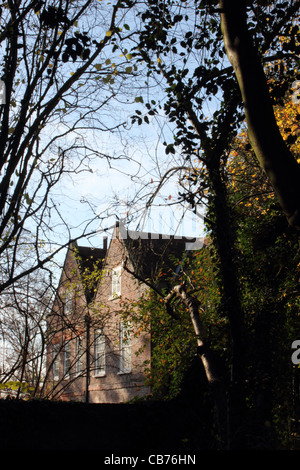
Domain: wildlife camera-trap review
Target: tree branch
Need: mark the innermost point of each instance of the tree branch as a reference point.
(270, 149)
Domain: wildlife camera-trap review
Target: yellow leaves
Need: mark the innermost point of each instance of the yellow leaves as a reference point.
(288, 123)
(108, 33)
(247, 183)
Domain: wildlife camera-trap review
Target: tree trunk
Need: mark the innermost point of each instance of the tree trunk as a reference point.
(224, 240)
(225, 245)
(275, 158)
(215, 382)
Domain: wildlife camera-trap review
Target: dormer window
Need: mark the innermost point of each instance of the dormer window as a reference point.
(116, 282)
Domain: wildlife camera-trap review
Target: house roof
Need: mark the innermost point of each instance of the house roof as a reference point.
(148, 251)
(87, 260)
(88, 256)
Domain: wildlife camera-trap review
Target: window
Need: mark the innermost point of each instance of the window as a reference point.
(116, 282)
(79, 354)
(67, 359)
(55, 359)
(125, 348)
(68, 302)
(99, 353)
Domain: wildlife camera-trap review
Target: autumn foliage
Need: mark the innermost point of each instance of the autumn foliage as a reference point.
(267, 259)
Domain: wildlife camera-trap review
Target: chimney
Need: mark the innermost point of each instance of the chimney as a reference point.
(105, 243)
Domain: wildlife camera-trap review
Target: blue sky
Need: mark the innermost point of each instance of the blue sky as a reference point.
(111, 188)
(121, 188)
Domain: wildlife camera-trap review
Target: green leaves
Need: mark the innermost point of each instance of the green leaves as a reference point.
(15, 385)
(108, 79)
(77, 47)
(139, 99)
(170, 149)
(28, 200)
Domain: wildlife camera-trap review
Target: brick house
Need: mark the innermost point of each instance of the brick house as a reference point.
(94, 355)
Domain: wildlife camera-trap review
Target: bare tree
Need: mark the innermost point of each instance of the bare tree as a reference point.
(24, 310)
(59, 83)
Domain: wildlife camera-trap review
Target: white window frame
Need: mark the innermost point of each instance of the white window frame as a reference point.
(55, 361)
(99, 353)
(116, 282)
(79, 355)
(125, 348)
(67, 360)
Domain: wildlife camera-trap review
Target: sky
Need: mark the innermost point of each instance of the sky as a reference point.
(119, 189)
(114, 195)
(114, 189)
